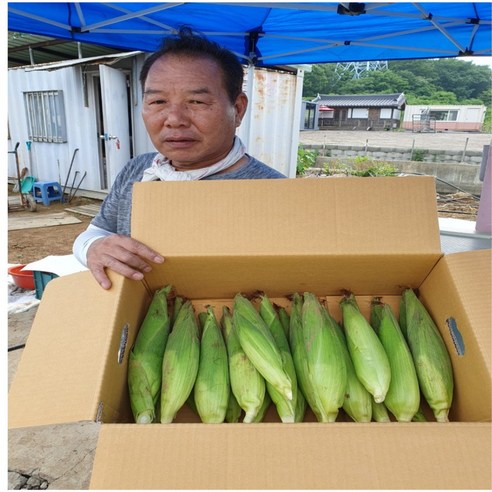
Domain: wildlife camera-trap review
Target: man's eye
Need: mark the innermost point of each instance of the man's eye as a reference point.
(155, 101)
(196, 101)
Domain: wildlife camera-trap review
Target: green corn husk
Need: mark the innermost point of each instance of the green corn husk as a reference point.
(286, 409)
(419, 416)
(403, 397)
(233, 413)
(178, 302)
(284, 319)
(263, 409)
(247, 384)
(301, 406)
(180, 363)
(379, 412)
(357, 402)
(366, 351)
(430, 356)
(299, 355)
(212, 386)
(325, 358)
(259, 345)
(145, 358)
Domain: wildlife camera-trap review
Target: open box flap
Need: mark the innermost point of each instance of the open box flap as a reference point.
(293, 456)
(71, 354)
(233, 232)
(458, 295)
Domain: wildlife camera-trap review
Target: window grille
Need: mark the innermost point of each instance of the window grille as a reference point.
(45, 112)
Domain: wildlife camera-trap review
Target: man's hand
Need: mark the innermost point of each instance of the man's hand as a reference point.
(121, 254)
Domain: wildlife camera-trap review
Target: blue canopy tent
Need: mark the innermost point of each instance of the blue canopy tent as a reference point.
(267, 34)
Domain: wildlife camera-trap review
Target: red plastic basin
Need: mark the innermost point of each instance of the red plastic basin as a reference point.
(23, 279)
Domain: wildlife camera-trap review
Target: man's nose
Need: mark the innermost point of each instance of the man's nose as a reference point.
(176, 115)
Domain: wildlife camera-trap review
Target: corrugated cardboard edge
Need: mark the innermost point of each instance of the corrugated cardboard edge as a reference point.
(60, 377)
(293, 456)
(457, 294)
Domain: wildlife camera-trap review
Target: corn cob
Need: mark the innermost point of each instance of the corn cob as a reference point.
(379, 412)
(285, 320)
(180, 363)
(233, 413)
(263, 409)
(430, 356)
(301, 406)
(286, 409)
(403, 397)
(145, 359)
(299, 355)
(247, 384)
(357, 401)
(366, 351)
(419, 416)
(211, 390)
(178, 302)
(259, 345)
(325, 357)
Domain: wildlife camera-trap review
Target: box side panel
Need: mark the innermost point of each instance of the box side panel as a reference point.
(114, 404)
(293, 456)
(212, 277)
(60, 375)
(288, 216)
(458, 297)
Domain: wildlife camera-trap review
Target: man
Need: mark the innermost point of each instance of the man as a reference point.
(192, 104)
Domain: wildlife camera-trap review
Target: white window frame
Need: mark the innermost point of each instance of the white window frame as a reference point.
(45, 113)
(358, 113)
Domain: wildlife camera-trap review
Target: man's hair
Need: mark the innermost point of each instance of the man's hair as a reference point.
(189, 44)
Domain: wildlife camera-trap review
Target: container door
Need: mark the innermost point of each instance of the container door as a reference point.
(115, 115)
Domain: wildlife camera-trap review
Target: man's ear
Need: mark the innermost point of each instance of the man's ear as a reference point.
(240, 105)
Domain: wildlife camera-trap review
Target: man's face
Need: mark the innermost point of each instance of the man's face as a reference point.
(187, 112)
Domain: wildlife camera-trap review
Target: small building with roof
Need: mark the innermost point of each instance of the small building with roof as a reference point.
(360, 112)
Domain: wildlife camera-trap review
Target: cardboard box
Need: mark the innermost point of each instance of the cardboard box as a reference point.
(373, 236)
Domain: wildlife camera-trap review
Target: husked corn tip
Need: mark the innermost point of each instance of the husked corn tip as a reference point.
(212, 387)
(403, 397)
(259, 345)
(325, 358)
(180, 363)
(366, 351)
(145, 359)
(247, 384)
(430, 356)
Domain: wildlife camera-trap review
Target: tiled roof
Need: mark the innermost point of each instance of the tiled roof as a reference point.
(363, 100)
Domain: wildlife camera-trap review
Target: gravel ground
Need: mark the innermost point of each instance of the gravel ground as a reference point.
(399, 139)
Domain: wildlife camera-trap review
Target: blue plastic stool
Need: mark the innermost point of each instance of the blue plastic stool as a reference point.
(47, 192)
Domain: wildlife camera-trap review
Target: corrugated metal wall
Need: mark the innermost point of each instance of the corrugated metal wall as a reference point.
(270, 128)
(51, 161)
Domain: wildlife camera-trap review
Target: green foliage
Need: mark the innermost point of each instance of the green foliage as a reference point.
(443, 81)
(306, 158)
(418, 154)
(361, 166)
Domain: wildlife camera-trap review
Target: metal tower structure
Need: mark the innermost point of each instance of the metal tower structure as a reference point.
(358, 68)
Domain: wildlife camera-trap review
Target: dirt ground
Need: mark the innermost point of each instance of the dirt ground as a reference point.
(27, 245)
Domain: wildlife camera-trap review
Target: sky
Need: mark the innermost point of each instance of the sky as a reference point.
(478, 60)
